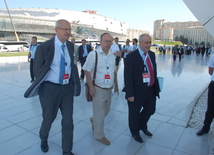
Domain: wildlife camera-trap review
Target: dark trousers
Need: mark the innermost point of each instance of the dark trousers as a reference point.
(179, 55)
(210, 107)
(53, 97)
(31, 70)
(82, 71)
(174, 56)
(138, 118)
(124, 61)
(117, 61)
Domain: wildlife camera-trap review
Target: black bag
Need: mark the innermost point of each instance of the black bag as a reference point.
(87, 90)
(87, 93)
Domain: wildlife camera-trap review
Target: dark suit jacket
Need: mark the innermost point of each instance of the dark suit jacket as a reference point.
(42, 62)
(182, 50)
(81, 51)
(134, 85)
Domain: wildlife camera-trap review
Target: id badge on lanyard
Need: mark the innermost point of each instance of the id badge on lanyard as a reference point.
(145, 75)
(65, 79)
(107, 77)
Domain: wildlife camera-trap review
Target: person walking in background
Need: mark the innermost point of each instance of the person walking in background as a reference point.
(56, 83)
(101, 90)
(141, 87)
(180, 52)
(115, 49)
(76, 51)
(161, 49)
(84, 50)
(164, 49)
(118, 58)
(31, 55)
(198, 50)
(174, 52)
(210, 101)
(126, 50)
(202, 50)
(134, 44)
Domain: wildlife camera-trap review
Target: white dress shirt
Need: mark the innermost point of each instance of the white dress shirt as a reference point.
(127, 48)
(102, 62)
(211, 64)
(32, 50)
(53, 75)
(114, 48)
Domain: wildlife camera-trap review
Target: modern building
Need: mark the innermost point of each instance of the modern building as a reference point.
(157, 25)
(195, 35)
(133, 33)
(41, 22)
(181, 25)
(165, 33)
(193, 31)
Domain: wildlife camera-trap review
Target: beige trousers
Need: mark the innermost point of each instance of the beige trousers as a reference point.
(101, 106)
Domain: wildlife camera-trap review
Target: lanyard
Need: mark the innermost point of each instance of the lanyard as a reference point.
(144, 61)
(106, 61)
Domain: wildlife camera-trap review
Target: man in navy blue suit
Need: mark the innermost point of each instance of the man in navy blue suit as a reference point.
(84, 50)
(141, 86)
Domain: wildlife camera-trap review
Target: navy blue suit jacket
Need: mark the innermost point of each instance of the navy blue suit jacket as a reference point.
(134, 67)
(81, 51)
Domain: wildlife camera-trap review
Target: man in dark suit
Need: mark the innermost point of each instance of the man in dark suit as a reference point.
(56, 83)
(180, 52)
(141, 86)
(84, 50)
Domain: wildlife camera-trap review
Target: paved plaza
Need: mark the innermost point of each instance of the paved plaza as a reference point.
(184, 81)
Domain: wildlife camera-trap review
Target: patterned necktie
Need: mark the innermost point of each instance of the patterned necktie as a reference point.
(62, 65)
(151, 71)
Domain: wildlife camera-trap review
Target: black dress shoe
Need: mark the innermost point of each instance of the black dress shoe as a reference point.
(137, 138)
(67, 153)
(44, 146)
(201, 132)
(146, 132)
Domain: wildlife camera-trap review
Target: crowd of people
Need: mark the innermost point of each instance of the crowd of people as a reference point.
(56, 81)
(180, 50)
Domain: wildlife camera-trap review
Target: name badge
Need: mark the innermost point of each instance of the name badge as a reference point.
(145, 77)
(107, 78)
(65, 79)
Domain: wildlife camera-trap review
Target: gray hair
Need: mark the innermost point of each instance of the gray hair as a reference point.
(142, 35)
(58, 22)
(101, 36)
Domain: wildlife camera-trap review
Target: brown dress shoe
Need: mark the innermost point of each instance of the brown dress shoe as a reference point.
(92, 124)
(104, 141)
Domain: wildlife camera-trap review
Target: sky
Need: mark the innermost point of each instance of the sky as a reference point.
(137, 14)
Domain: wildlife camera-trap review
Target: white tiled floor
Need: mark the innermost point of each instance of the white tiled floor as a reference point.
(184, 81)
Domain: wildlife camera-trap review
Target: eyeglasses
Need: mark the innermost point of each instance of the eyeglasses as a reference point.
(65, 29)
(107, 41)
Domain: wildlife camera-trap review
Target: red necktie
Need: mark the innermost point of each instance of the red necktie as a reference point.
(151, 72)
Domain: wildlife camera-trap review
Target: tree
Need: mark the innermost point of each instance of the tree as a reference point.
(196, 44)
(183, 40)
(177, 38)
(202, 43)
(208, 44)
(190, 42)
